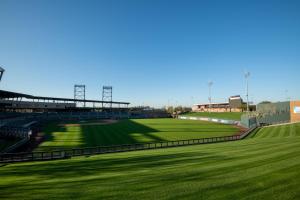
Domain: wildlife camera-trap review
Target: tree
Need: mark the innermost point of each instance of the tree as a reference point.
(170, 109)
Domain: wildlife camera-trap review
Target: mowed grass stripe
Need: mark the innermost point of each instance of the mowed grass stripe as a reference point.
(116, 135)
(250, 160)
(292, 132)
(297, 127)
(215, 171)
(125, 128)
(82, 134)
(94, 135)
(260, 184)
(279, 131)
(261, 133)
(287, 132)
(107, 136)
(274, 130)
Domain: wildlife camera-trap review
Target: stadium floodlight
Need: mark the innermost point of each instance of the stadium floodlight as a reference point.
(107, 96)
(247, 74)
(1, 72)
(287, 96)
(210, 83)
(192, 100)
(79, 94)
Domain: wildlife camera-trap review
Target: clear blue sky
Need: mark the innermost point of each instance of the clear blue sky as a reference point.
(152, 51)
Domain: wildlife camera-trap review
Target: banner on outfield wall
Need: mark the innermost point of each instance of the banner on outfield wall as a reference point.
(297, 110)
(223, 121)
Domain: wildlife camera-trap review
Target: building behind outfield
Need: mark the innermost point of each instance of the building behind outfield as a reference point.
(234, 104)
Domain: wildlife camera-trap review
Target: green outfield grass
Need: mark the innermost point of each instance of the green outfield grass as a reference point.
(129, 132)
(218, 115)
(288, 130)
(256, 168)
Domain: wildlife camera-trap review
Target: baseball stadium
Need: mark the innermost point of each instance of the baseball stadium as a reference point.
(51, 145)
(143, 99)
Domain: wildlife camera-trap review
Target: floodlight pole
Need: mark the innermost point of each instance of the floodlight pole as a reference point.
(286, 95)
(107, 97)
(1, 72)
(79, 93)
(247, 74)
(192, 99)
(210, 83)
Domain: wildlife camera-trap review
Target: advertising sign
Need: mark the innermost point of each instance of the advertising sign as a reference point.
(297, 109)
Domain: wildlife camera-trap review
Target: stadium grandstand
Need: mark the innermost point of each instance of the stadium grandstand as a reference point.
(18, 102)
(23, 115)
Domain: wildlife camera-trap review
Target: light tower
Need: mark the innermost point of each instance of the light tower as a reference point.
(79, 93)
(192, 100)
(107, 96)
(247, 75)
(210, 83)
(1, 72)
(287, 96)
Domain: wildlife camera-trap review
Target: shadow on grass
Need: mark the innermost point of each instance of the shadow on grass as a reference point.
(152, 171)
(50, 128)
(122, 132)
(73, 168)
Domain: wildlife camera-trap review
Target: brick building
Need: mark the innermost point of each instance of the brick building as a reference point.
(234, 104)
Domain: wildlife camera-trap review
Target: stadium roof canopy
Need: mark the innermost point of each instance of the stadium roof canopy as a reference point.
(8, 95)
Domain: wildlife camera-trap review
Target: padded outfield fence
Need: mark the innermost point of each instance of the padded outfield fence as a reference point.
(209, 119)
(68, 153)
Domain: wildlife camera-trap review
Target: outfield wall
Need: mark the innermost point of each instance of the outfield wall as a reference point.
(279, 112)
(208, 119)
(249, 121)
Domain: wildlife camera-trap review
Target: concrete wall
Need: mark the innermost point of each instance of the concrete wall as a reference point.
(248, 121)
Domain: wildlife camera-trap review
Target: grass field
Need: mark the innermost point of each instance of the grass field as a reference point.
(256, 168)
(288, 130)
(130, 131)
(218, 115)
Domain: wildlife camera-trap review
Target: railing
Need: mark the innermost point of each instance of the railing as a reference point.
(68, 153)
(247, 133)
(16, 145)
(17, 132)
